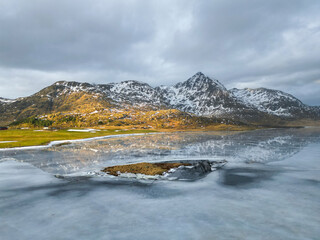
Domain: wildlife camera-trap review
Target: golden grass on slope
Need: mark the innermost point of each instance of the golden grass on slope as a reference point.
(29, 137)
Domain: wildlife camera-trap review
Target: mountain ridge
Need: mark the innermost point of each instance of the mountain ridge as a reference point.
(199, 95)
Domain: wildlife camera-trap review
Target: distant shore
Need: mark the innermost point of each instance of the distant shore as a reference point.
(30, 138)
(36, 137)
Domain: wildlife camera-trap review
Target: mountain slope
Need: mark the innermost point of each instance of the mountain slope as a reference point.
(59, 97)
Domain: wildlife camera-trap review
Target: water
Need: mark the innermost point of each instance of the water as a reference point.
(268, 190)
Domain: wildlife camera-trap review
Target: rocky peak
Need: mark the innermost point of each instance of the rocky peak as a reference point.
(199, 81)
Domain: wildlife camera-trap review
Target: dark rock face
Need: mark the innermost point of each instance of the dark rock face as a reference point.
(198, 95)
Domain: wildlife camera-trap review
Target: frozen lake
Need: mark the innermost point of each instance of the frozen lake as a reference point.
(269, 189)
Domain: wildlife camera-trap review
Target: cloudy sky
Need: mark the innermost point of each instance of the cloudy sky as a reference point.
(243, 43)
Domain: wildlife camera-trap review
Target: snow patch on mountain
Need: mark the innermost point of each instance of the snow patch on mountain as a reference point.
(6, 100)
(132, 92)
(270, 101)
(72, 87)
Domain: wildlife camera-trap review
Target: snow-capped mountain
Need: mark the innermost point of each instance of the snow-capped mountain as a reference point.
(273, 102)
(199, 95)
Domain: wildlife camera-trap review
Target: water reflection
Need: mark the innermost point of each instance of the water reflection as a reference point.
(244, 177)
(251, 147)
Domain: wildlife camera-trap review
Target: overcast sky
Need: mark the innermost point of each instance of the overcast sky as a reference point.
(243, 43)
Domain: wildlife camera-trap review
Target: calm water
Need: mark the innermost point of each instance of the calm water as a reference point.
(268, 190)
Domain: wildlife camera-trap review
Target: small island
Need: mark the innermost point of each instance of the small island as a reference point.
(143, 168)
(170, 170)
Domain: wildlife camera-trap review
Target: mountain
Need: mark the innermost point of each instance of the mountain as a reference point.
(199, 96)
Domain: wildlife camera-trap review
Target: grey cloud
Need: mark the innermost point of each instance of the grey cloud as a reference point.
(234, 34)
(242, 43)
(59, 35)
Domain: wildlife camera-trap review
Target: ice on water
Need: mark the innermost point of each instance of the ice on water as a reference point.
(268, 190)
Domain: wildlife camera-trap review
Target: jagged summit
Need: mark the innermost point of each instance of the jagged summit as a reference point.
(199, 95)
(200, 80)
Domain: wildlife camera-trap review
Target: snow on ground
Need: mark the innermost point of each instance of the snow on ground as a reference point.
(82, 130)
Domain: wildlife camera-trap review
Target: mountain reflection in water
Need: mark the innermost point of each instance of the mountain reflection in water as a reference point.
(259, 146)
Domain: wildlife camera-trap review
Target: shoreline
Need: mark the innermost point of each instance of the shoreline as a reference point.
(17, 139)
(162, 131)
(60, 142)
